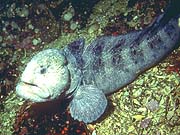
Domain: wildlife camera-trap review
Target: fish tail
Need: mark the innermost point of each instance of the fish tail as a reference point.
(159, 39)
(173, 10)
(170, 12)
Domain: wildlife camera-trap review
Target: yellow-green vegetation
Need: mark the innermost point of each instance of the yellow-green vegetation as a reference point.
(150, 105)
(11, 105)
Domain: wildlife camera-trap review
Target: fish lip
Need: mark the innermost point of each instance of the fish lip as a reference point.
(35, 85)
(31, 84)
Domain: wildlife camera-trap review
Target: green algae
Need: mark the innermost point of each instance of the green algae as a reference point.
(11, 105)
(130, 103)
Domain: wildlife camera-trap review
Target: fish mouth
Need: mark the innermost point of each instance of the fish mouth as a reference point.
(31, 84)
(32, 92)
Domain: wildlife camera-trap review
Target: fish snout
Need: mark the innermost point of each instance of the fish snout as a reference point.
(32, 92)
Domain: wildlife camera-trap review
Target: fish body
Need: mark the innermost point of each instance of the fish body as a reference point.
(87, 74)
(119, 60)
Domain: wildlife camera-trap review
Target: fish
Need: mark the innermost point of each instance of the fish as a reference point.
(88, 74)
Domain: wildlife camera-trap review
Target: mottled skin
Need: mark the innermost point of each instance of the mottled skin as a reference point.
(110, 62)
(86, 74)
(118, 60)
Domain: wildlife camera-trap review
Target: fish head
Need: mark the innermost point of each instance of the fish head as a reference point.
(45, 77)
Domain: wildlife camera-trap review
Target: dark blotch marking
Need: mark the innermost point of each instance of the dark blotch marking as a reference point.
(116, 50)
(116, 59)
(169, 30)
(137, 54)
(134, 52)
(76, 46)
(151, 45)
(120, 43)
(98, 49)
(155, 42)
(134, 46)
(98, 64)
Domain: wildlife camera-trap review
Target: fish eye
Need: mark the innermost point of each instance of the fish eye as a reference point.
(43, 69)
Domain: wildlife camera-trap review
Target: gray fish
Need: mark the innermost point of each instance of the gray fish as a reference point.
(87, 74)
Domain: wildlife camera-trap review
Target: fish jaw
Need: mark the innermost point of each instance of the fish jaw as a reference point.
(33, 92)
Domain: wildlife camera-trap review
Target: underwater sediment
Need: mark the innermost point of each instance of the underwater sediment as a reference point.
(150, 105)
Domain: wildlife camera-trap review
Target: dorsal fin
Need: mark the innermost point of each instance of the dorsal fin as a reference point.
(76, 49)
(77, 46)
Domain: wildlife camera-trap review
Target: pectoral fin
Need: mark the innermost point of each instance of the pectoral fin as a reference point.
(88, 104)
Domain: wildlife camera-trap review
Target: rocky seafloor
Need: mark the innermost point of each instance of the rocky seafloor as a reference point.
(148, 106)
